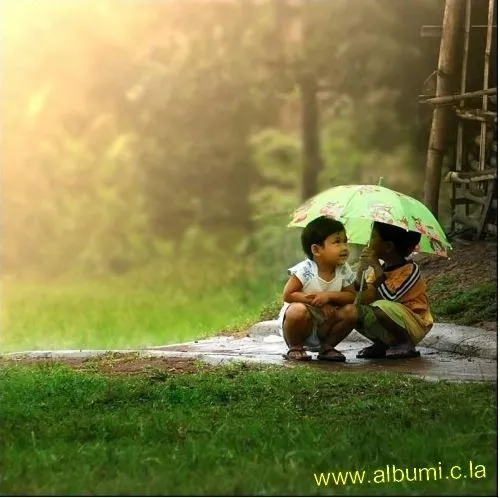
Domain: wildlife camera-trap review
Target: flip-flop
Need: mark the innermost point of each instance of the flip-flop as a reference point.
(302, 356)
(372, 352)
(328, 356)
(400, 352)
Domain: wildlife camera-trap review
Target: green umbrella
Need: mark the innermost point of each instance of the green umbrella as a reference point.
(358, 206)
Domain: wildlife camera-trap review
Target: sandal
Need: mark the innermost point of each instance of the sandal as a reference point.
(402, 351)
(297, 354)
(331, 354)
(374, 351)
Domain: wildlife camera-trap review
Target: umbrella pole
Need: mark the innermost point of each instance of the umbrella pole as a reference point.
(357, 300)
(363, 277)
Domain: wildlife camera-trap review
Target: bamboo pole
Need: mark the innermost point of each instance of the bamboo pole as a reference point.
(451, 99)
(431, 31)
(486, 75)
(489, 187)
(476, 115)
(437, 138)
(463, 84)
(471, 176)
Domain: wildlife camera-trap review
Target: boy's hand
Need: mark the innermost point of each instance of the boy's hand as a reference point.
(319, 299)
(368, 258)
(328, 310)
(309, 298)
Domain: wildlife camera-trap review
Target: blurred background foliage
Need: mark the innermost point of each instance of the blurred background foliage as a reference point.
(162, 140)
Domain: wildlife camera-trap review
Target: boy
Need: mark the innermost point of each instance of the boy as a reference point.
(395, 312)
(312, 316)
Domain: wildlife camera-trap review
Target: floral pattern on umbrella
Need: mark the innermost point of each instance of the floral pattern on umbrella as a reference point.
(358, 206)
(332, 209)
(365, 189)
(382, 212)
(403, 223)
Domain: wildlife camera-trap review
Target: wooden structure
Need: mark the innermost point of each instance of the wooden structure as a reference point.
(474, 178)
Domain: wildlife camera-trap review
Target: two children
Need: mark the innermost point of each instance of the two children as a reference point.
(318, 312)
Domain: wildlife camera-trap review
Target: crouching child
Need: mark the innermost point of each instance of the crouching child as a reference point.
(315, 315)
(394, 312)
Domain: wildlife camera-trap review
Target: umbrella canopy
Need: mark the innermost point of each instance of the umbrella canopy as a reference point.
(358, 206)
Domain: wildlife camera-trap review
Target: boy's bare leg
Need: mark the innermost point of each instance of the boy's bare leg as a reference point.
(296, 328)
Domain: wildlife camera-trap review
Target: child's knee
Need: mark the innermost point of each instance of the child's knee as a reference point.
(349, 313)
(297, 312)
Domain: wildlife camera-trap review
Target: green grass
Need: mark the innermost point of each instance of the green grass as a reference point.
(139, 312)
(127, 315)
(237, 431)
(93, 315)
(461, 305)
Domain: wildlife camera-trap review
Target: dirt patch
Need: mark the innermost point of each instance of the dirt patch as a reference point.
(470, 264)
(118, 364)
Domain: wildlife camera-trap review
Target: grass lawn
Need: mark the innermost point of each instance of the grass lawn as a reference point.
(167, 305)
(229, 431)
(464, 305)
(236, 430)
(124, 315)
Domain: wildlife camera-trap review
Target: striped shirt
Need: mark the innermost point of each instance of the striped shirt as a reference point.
(404, 284)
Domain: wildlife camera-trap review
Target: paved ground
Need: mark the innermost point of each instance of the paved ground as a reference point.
(449, 353)
(432, 364)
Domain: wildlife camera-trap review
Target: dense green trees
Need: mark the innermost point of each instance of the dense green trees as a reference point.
(131, 127)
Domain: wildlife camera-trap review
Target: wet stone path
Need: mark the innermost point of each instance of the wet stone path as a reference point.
(450, 352)
(431, 365)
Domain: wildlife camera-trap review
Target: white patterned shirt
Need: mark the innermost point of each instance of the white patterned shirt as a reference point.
(307, 272)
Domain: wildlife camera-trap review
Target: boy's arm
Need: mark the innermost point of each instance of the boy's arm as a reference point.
(369, 258)
(370, 294)
(348, 295)
(393, 289)
(345, 296)
(370, 289)
(378, 272)
(292, 293)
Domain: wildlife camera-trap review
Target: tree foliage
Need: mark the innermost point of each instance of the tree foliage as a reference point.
(131, 127)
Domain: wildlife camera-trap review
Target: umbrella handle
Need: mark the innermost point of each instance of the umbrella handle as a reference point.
(363, 276)
(360, 291)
